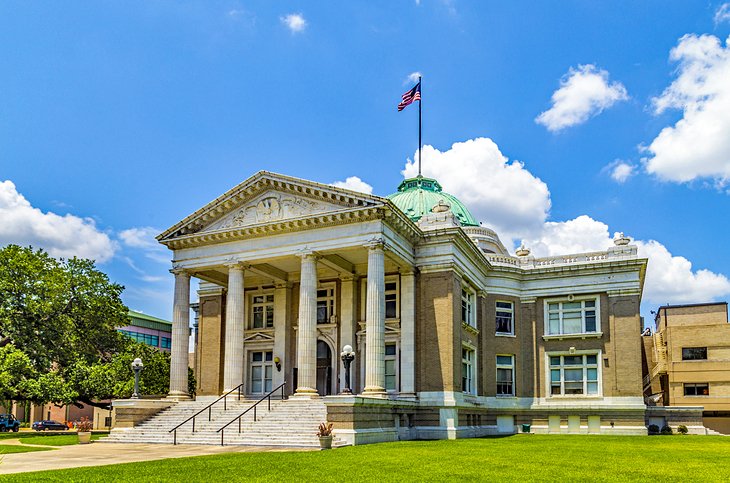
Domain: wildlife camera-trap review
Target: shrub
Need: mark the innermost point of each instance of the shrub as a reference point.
(653, 429)
(84, 425)
(666, 429)
(325, 429)
(682, 429)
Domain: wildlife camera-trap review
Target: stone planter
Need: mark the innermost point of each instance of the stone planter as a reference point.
(84, 437)
(325, 442)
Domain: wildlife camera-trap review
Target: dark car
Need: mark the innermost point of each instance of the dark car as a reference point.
(8, 423)
(49, 424)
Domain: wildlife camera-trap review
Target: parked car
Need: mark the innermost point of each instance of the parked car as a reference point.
(8, 423)
(49, 424)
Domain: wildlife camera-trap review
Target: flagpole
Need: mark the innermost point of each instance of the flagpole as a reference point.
(420, 101)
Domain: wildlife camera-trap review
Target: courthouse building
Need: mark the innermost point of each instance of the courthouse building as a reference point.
(453, 336)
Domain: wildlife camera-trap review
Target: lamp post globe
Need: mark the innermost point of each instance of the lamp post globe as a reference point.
(347, 357)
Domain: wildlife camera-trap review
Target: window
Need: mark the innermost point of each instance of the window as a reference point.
(576, 317)
(391, 363)
(505, 375)
(325, 304)
(391, 300)
(262, 311)
(166, 343)
(262, 369)
(694, 354)
(467, 370)
(574, 375)
(505, 318)
(467, 307)
(149, 339)
(702, 389)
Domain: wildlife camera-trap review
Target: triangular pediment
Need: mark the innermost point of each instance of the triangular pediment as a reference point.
(267, 198)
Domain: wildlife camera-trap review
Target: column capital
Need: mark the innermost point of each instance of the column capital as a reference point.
(408, 272)
(305, 253)
(375, 243)
(283, 285)
(349, 277)
(234, 264)
(178, 270)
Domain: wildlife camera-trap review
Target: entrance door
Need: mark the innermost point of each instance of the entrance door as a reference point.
(261, 368)
(324, 369)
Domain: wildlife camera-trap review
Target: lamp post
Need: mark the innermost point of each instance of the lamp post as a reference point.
(347, 357)
(137, 367)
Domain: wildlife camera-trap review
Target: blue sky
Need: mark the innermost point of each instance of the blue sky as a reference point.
(124, 117)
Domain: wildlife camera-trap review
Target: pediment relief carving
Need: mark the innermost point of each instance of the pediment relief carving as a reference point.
(258, 336)
(269, 207)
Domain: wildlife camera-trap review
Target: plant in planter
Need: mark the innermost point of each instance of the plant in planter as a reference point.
(325, 435)
(84, 427)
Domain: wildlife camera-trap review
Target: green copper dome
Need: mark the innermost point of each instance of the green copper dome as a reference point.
(416, 197)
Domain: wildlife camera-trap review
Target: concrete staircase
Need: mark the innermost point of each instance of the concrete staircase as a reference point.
(291, 422)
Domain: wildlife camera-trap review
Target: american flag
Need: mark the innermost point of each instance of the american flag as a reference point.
(410, 96)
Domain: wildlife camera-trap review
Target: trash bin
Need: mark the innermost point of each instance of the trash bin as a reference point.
(525, 428)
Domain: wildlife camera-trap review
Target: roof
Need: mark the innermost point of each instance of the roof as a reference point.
(138, 319)
(417, 196)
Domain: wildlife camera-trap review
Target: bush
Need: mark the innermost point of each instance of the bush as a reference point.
(682, 429)
(653, 429)
(666, 430)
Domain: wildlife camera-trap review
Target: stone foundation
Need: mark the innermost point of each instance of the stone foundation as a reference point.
(131, 412)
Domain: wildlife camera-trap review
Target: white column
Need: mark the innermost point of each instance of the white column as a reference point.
(235, 317)
(375, 321)
(180, 336)
(307, 332)
(282, 298)
(408, 334)
(348, 322)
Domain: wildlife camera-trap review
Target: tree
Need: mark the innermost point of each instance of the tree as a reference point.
(58, 337)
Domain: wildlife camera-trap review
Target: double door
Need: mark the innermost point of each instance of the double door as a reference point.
(261, 370)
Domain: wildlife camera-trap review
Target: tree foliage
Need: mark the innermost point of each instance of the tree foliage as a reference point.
(58, 337)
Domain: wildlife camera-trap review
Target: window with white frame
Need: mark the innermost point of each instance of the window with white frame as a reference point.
(391, 367)
(325, 304)
(505, 317)
(506, 375)
(572, 317)
(468, 307)
(468, 360)
(391, 300)
(262, 311)
(574, 375)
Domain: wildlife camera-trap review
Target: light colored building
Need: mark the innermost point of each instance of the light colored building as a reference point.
(687, 361)
(453, 335)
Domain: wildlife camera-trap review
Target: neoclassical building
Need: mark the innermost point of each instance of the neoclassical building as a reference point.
(453, 336)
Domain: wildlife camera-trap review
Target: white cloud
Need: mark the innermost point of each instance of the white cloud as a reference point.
(698, 145)
(584, 92)
(502, 194)
(722, 14)
(143, 238)
(355, 184)
(412, 78)
(620, 171)
(295, 22)
(61, 236)
(669, 278)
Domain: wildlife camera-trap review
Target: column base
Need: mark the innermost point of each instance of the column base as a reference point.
(375, 392)
(305, 393)
(178, 396)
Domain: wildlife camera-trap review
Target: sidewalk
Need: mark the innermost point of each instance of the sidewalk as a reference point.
(96, 454)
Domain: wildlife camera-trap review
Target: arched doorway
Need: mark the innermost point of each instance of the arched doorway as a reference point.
(324, 368)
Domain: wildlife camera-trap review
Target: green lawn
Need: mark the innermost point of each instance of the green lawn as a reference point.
(56, 440)
(515, 458)
(8, 448)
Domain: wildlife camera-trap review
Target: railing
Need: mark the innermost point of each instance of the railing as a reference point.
(238, 418)
(209, 407)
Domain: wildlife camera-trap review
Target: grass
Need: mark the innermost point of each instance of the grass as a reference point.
(516, 458)
(55, 440)
(9, 448)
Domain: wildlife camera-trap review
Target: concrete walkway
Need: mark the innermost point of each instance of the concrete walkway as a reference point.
(96, 454)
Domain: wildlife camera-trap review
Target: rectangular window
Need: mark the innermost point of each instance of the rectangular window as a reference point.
(577, 317)
(262, 371)
(505, 375)
(391, 365)
(505, 318)
(262, 311)
(694, 353)
(574, 375)
(468, 312)
(391, 300)
(151, 340)
(702, 389)
(166, 343)
(467, 370)
(325, 304)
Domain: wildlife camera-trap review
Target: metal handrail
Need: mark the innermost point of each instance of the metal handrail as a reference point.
(267, 396)
(209, 408)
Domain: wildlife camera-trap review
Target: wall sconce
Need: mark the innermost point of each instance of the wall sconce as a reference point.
(277, 362)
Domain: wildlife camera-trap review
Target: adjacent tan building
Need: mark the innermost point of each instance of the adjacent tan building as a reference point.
(687, 361)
